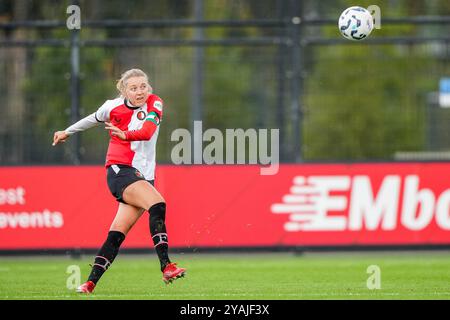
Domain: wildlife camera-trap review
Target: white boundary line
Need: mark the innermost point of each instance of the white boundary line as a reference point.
(187, 295)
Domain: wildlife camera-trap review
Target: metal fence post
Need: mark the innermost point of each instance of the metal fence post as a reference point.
(75, 91)
(197, 83)
(295, 82)
(281, 71)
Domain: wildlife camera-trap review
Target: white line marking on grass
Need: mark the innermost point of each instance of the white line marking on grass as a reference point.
(189, 295)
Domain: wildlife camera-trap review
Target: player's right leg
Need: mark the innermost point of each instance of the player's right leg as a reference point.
(126, 217)
(142, 194)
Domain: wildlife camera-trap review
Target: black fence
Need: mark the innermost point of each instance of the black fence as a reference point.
(331, 98)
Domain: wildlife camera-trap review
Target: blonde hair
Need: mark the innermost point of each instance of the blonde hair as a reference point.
(122, 82)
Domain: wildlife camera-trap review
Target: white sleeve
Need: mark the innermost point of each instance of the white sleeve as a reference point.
(84, 124)
(102, 114)
(98, 117)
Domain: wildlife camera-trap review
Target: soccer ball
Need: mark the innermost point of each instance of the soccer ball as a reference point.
(355, 23)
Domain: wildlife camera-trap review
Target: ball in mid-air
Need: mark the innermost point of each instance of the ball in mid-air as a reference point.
(355, 23)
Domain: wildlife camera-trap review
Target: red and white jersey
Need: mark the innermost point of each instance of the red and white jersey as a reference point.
(141, 126)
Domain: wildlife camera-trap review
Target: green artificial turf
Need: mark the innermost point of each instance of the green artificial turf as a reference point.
(416, 275)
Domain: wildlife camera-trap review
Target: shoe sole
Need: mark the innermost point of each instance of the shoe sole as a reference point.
(86, 292)
(83, 291)
(178, 276)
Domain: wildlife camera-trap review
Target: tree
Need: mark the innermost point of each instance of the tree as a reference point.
(367, 102)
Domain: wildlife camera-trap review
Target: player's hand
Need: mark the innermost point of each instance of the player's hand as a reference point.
(116, 132)
(59, 136)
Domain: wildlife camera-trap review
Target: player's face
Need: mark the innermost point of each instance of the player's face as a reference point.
(137, 91)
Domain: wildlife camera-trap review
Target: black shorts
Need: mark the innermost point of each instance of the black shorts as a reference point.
(120, 176)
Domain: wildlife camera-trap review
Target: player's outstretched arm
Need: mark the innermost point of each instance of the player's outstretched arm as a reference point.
(84, 124)
(59, 136)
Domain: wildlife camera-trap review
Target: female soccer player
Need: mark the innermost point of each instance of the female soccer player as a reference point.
(133, 122)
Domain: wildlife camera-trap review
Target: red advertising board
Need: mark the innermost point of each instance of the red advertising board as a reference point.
(233, 206)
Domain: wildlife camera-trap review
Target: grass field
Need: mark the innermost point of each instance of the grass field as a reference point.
(418, 275)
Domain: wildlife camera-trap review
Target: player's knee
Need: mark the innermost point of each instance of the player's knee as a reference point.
(120, 227)
(153, 201)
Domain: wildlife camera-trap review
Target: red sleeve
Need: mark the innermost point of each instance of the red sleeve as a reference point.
(145, 133)
(154, 108)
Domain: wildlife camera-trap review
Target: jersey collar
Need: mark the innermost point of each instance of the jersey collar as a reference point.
(129, 105)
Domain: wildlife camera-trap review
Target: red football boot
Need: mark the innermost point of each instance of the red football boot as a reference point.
(172, 272)
(87, 287)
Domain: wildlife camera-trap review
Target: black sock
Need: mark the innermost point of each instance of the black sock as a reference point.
(106, 255)
(159, 233)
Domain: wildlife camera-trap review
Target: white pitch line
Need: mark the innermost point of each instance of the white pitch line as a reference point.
(374, 295)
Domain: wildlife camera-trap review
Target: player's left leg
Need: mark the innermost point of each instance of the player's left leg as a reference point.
(126, 217)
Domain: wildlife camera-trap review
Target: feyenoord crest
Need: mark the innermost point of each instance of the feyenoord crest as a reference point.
(141, 115)
(139, 174)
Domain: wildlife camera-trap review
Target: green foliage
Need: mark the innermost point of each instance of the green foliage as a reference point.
(48, 92)
(360, 102)
(367, 102)
(366, 108)
(96, 88)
